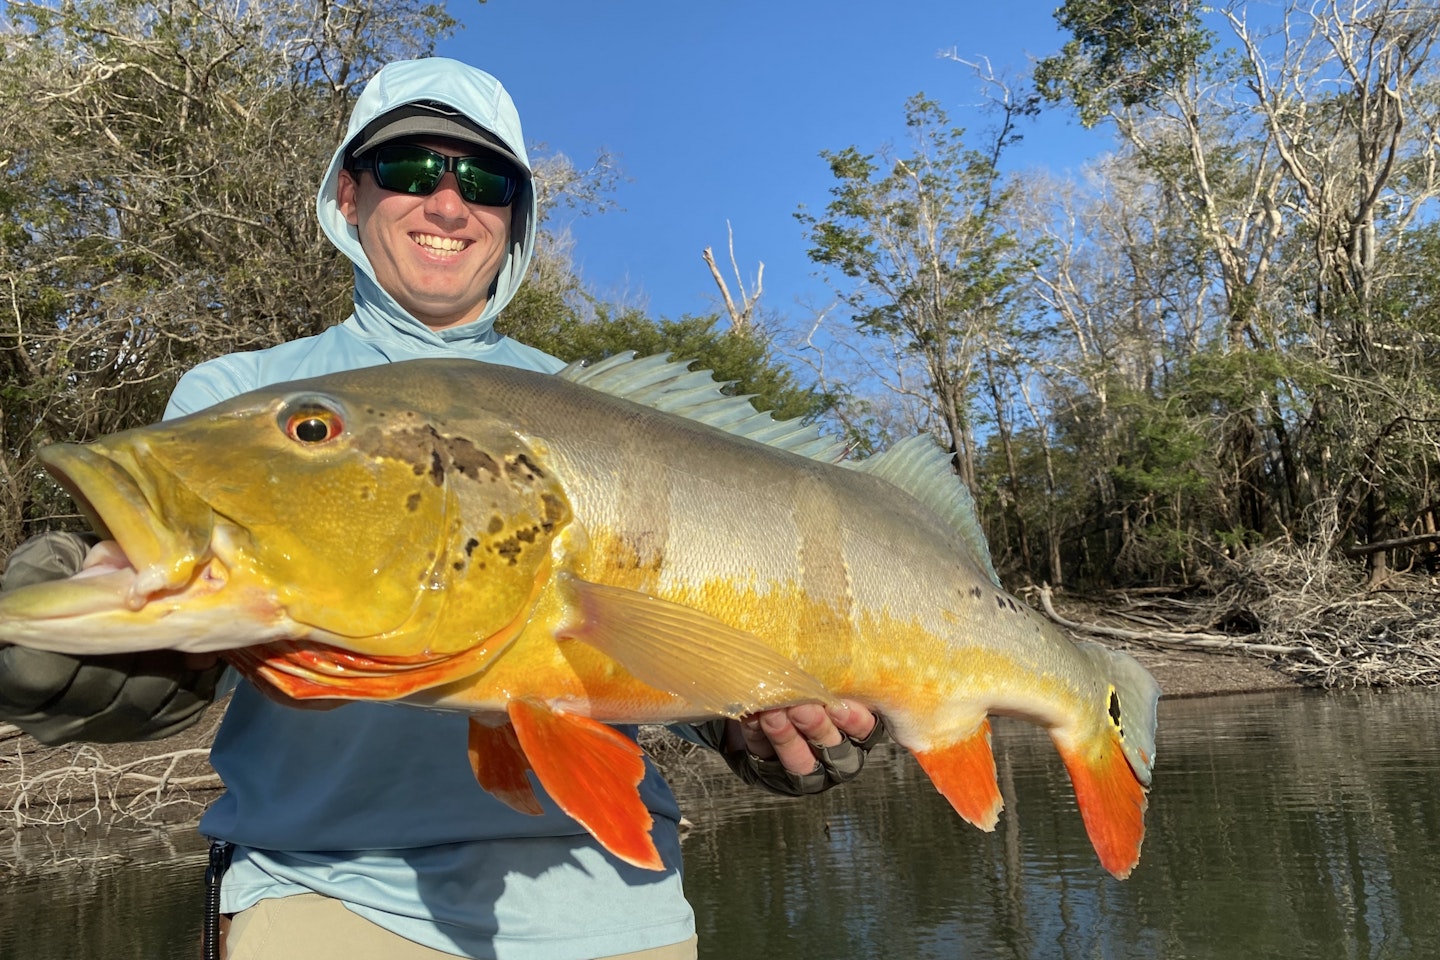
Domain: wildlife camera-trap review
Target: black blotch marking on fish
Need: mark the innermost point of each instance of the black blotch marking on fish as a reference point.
(469, 459)
(509, 549)
(1114, 711)
(412, 502)
(999, 601)
(1011, 602)
(458, 565)
(520, 464)
(976, 592)
(417, 445)
(470, 546)
(497, 523)
(556, 511)
(643, 550)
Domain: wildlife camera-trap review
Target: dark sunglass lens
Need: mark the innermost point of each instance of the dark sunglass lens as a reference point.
(408, 169)
(482, 186)
(415, 169)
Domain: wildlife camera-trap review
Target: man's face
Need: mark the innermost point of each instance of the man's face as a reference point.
(436, 255)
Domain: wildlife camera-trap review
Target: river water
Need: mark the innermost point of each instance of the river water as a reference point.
(1285, 825)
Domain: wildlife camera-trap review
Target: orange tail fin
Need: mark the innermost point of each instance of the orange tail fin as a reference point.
(593, 772)
(1112, 801)
(500, 766)
(964, 773)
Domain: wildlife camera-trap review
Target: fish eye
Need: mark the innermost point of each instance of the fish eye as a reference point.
(311, 425)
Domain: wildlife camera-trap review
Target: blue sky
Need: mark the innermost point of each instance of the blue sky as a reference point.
(719, 112)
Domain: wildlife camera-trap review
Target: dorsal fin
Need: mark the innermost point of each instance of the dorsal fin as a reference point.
(670, 386)
(921, 467)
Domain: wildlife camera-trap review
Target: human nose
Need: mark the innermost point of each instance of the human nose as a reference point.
(445, 200)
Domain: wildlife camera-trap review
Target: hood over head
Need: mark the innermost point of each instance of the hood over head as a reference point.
(440, 97)
(429, 118)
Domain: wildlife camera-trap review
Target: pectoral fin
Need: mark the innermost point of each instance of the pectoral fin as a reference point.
(593, 772)
(501, 767)
(709, 664)
(964, 773)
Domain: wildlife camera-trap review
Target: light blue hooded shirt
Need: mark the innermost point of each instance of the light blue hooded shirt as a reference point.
(374, 804)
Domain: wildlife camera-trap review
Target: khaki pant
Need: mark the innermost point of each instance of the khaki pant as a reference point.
(312, 927)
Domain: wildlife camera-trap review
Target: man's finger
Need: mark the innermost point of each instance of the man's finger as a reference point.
(787, 742)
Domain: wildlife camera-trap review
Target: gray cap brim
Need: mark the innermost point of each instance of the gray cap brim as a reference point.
(430, 119)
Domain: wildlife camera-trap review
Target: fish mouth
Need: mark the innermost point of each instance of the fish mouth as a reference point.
(164, 531)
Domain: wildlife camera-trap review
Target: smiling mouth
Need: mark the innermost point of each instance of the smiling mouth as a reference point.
(445, 246)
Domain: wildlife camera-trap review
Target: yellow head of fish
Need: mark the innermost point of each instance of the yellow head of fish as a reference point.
(350, 534)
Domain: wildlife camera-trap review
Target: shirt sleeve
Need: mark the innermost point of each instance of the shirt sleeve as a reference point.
(208, 384)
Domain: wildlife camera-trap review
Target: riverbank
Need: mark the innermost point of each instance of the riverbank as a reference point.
(1194, 673)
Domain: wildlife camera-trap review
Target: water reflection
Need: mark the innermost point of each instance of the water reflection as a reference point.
(111, 895)
(1282, 825)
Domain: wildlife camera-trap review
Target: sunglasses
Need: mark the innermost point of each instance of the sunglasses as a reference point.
(409, 168)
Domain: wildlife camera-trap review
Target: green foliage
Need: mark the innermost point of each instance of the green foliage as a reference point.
(1125, 53)
(928, 264)
(744, 361)
(157, 169)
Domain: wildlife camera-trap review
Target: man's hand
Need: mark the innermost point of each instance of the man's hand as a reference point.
(57, 698)
(802, 749)
(793, 735)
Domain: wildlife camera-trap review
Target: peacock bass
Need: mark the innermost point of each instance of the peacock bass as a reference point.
(552, 554)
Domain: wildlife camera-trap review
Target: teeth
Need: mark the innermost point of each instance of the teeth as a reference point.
(442, 244)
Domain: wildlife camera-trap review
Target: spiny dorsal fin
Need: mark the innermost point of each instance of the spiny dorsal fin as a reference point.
(670, 386)
(921, 467)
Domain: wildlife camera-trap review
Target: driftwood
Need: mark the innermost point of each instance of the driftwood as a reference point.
(1312, 613)
(1365, 549)
(93, 784)
(1186, 638)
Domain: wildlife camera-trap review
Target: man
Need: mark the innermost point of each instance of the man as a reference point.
(360, 831)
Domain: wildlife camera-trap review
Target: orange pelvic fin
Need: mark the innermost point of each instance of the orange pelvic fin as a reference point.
(709, 664)
(1112, 801)
(964, 773)
(501, 768)
(593, 772)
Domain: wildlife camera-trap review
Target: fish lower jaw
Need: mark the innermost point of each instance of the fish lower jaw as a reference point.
(156, 584)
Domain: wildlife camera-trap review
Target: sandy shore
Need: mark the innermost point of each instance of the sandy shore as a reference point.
(1192, 673)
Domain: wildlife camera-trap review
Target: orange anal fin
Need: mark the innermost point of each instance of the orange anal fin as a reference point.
(1112, 802)
(501, 767)
(593, 772)
(964, 773)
